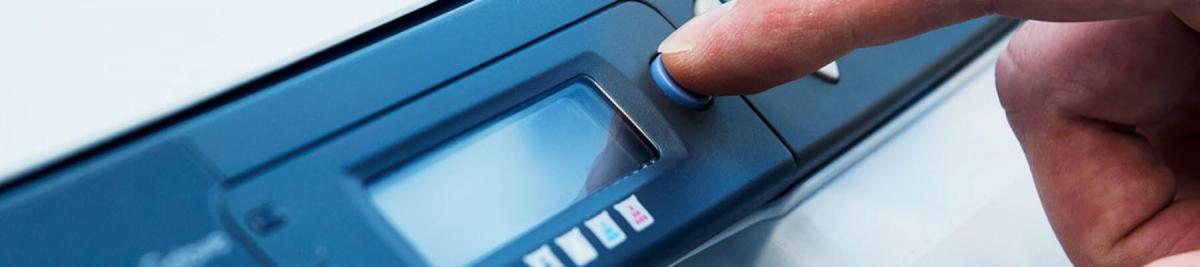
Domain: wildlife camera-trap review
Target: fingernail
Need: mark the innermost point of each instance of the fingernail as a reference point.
(686, 38)
(678, 42)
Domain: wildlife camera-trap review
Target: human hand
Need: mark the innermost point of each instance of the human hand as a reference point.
(1107, 108)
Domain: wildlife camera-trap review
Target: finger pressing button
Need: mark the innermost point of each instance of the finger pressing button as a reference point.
(675, 92)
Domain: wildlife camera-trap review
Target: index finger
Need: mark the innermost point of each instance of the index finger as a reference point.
(757, 44)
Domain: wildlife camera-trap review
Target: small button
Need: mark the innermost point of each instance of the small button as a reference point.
(605, 229)
(675, 92)
(578, 249)
(829, 72)
(542, 257)
(635, 214)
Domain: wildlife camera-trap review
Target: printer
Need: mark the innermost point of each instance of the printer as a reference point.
(485, 132)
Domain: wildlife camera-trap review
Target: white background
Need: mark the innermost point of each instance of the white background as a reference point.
(74, 72)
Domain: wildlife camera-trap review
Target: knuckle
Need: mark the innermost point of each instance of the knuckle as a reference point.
(1014, 91)
(1031, 84)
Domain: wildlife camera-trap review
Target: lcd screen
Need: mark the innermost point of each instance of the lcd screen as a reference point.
(471, 195)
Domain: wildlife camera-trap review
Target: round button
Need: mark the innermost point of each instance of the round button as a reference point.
(675, 92)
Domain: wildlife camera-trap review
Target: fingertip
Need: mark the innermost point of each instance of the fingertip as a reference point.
(743, 49)
(683, 55)
(688, 36)
(693, 74)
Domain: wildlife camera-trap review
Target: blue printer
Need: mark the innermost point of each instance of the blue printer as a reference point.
(483, 132)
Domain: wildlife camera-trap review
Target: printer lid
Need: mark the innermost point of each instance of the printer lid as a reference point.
(60, 97)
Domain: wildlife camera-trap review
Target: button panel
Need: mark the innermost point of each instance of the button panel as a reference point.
(602, 226)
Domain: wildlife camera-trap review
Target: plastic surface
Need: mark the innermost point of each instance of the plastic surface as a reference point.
(675, 11)
(147, 206)
(288, 161)
(304, 108)
(673, 90)
(141, 60)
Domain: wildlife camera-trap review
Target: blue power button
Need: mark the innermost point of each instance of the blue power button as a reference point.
(673, 90)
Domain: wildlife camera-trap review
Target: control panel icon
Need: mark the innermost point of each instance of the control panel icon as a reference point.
(635, 214)
(605, 229)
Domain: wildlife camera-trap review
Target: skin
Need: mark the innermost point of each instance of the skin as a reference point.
(1104, 96)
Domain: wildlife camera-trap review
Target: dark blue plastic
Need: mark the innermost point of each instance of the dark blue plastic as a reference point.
(673, 90)
(149, 207)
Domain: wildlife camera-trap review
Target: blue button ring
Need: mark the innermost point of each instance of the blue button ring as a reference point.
(673, 90)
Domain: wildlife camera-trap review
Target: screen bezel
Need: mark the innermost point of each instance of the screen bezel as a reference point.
(582, 80)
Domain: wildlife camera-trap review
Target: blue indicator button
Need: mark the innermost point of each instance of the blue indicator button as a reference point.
(673, 90)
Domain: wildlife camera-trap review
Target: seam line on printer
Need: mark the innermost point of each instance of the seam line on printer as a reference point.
(144, 131)
(659, 12)
(238, 178)
(787, 145)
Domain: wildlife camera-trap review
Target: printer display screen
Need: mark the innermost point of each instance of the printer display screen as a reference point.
(473, 194)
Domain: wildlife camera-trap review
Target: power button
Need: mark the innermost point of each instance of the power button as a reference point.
(675, 92)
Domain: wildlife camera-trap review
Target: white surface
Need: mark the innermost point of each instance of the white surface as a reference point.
(76, 72)
(948, 188)
(702, 6)
(829, 72)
